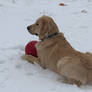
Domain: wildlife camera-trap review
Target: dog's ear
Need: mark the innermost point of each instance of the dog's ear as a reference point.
(52, 27)
(44, 29)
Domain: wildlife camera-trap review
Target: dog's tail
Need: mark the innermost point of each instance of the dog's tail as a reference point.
(89, 77)
(89, 56)
(89, 62)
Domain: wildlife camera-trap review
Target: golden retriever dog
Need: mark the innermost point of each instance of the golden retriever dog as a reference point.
(55, 52)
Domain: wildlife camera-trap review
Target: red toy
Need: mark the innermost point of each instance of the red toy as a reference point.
(30, 49)
(62, 4)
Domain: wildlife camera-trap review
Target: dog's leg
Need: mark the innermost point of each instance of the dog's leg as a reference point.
(33, 59)
(71, 81)
(74, 72)
(43, 65)
(30, 58)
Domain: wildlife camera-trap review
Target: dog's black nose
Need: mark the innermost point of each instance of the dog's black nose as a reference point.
(28, 28)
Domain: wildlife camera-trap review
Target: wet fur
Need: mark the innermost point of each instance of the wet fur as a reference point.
(58, 55)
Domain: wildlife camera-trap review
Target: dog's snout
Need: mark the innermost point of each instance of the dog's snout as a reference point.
(28, 28)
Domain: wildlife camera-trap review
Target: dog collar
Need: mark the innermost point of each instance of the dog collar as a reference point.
(50, 36)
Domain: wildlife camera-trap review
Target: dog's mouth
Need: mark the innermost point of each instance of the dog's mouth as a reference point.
(28, 28)
(33, 33)
(36, 34)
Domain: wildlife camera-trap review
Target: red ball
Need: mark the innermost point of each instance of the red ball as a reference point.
(30, 49)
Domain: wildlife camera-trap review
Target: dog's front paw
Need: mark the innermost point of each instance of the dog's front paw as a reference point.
(28, 58)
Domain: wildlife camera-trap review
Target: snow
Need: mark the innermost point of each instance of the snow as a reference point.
(17, 75)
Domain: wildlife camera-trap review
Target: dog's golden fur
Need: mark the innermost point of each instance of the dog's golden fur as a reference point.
(58, 55)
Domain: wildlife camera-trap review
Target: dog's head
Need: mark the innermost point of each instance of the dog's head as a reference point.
(43, 27)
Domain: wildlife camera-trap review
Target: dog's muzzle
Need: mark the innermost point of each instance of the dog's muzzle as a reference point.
(28, 28)
(36, 34)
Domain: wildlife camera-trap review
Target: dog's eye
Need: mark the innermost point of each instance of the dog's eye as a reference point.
(37, 24)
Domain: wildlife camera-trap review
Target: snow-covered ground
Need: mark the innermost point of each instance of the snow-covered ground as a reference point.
(17, 75)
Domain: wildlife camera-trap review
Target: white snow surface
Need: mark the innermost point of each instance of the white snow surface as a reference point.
(17, 75)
